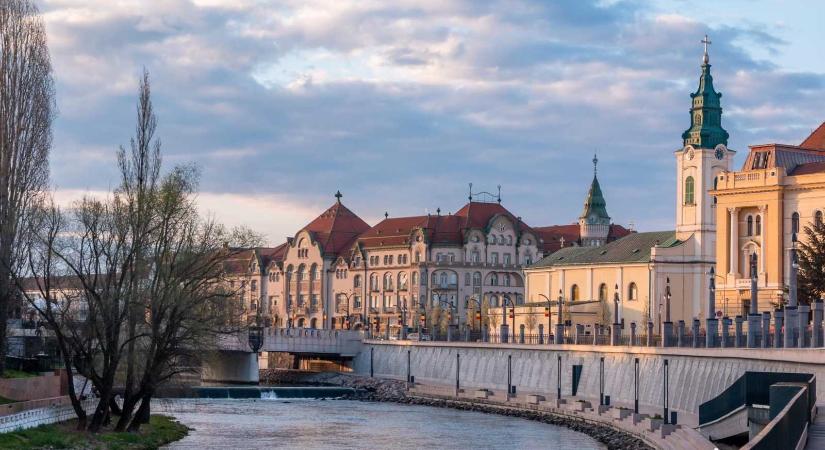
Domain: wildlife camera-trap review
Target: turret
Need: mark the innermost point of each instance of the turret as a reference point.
(594, 223)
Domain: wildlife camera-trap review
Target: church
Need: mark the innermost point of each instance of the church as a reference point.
(643, 268)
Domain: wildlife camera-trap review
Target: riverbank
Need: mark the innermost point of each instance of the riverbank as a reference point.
(388, 390)
(160, 430)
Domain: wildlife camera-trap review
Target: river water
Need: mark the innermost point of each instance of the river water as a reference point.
(343, 424)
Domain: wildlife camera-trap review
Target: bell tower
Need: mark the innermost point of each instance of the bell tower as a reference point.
(704, 154)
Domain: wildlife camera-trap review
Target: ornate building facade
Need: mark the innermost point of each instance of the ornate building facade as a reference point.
(778, 191)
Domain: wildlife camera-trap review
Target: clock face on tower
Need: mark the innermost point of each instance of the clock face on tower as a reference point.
(720, 153)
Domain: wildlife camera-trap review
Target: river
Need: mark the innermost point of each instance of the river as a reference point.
(345, 424)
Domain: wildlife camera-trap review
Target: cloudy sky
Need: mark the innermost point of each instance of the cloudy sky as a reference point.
(400, 104)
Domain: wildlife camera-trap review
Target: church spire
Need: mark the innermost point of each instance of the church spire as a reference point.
(706, 111)
(595, 206)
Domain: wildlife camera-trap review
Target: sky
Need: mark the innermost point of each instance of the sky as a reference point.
(400, 104)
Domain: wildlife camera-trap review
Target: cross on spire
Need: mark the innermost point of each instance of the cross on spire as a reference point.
(706, 41)
(338, 196)
(595, 163)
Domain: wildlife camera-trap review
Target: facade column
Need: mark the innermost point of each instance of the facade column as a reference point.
(734, 241)
(762, 244)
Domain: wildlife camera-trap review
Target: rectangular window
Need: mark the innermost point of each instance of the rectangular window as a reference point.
(356, 302)
(476, 257)
(494, 258)
(506, 258)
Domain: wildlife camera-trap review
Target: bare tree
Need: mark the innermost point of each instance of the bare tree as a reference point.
(531, 320)
(26, 113)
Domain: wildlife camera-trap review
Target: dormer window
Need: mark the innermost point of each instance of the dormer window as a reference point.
(760, 160)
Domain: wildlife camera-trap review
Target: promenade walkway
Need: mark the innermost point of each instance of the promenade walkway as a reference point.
(816, 433)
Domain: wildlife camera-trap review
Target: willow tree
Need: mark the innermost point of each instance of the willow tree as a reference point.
(26, 114)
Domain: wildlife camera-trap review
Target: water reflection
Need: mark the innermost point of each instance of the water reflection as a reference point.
(318, 424)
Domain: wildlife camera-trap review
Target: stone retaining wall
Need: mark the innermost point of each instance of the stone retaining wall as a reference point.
(696, 375)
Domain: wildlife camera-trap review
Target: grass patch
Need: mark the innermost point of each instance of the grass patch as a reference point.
(12, 373)
(160, 431)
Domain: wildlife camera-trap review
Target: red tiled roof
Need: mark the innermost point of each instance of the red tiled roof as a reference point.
(439, 229)
(336, 228)
(552, 235)
(816, 141)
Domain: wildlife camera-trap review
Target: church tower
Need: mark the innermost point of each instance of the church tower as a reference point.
(703, 156)
(594, 223)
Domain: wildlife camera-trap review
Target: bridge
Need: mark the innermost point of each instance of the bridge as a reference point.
(235, 361)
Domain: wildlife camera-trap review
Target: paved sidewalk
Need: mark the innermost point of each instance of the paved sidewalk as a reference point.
(816, 432)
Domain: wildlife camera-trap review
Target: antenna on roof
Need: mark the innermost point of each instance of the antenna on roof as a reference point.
(471, 192)
(499, 193)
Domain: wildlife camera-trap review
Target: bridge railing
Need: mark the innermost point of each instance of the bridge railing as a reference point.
(308, 340)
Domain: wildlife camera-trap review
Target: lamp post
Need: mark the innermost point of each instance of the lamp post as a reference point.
(547, 311)
(255, 335)
(504, 329)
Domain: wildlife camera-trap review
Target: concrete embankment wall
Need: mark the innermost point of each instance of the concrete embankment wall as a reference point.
(696, 375)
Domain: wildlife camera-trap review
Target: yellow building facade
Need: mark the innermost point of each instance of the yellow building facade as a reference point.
(779, 190)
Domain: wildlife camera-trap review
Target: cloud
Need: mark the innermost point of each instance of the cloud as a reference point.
(401, 104)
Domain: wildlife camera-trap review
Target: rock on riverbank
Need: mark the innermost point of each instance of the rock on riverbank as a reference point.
(385, 390)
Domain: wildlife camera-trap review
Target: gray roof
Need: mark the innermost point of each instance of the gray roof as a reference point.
(633, 248)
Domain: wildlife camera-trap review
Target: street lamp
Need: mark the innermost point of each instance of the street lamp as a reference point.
(256, 335)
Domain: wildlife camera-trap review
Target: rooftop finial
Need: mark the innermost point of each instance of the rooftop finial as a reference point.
(386, 215)
(471, 192)
(705, 57)
(595, 163)
(338, 196)
(499, 193)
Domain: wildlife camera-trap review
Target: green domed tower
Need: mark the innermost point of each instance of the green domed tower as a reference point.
(706, 112)
(594, 223)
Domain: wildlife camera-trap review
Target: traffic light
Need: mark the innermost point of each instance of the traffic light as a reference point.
(512, 313)
(478, 315)
(546, 311)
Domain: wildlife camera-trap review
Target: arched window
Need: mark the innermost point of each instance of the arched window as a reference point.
(453, 279)
(477, 279)
(300, 275)
(415, 278)
(506, 280)
(574, 293)
(795, 222)
(402, 280)
(632, 292)
(602, 292)
(417, 257)
(493, 280)
(689, 200)
(467, 279)
(356, 282)
(818, 218)
(443, 279)
(758, 229)
(750, 226)
(374, 282)
(387, 281)
(313, 273)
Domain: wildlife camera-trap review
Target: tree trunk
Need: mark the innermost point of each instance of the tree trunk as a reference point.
(142, 414)
(129, 403)
(5, 300)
